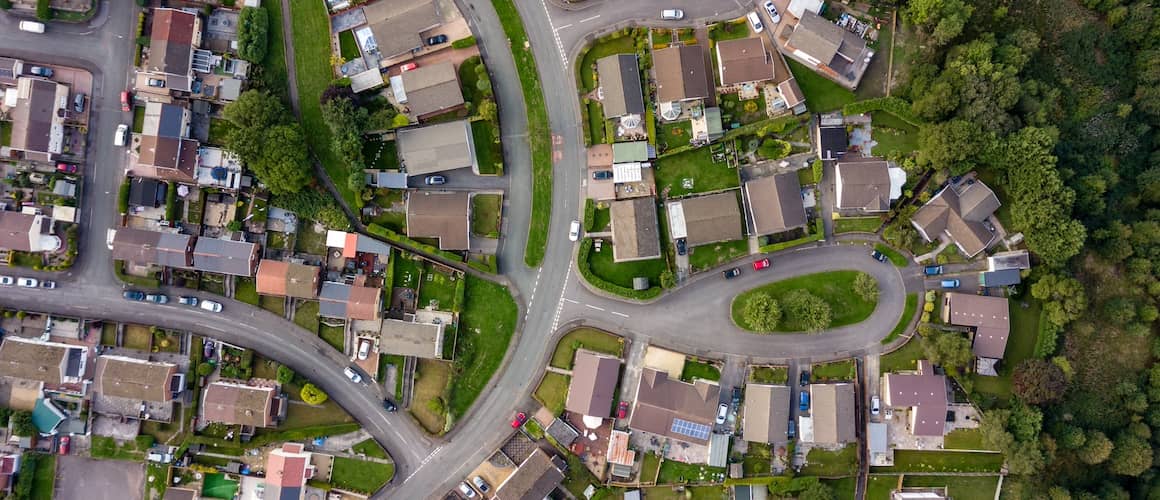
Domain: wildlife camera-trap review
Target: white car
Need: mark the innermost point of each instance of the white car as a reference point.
(352, 375)
(574, 231)
(364, 349)
(773, 15)
(672, 15)
(875, 406)
(466, 490)
(755, 21)
(722, 412)
(211, 306)
(7, 281)
(27, 282)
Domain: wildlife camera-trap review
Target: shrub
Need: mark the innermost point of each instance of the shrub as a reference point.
(893, 105)
(204, 369)
(284, 374)
(589, 214)
(773, 149)
(43, 10)
(253, 26)
(171, 202)
(123, 197)
(312, 395)
(22, 423)
(463, 43)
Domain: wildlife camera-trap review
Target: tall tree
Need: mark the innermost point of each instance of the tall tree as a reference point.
(947, 349)
(809, 310)
(939, 20)
(1096, 448)
(1037, 381)
(253, 29)
(1131, 455)
(762, 312)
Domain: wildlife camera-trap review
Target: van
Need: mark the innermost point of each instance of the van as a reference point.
(949, 283)
(755, 22)
(122, 136)
(32, 26)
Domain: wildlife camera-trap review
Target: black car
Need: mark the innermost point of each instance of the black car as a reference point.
(731, 273)
(389, 405)
(804, 380)
(878, 256)
(736, 396)
(602, 175)
(437, 39)
(134, 295)
(682, 246)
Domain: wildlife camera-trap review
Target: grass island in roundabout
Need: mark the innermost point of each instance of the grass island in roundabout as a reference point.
(809, 303)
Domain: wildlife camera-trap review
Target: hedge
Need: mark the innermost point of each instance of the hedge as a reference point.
(589, 214)
(463, 43)
(1045, 343)
(382, 232)
(171, 202)
(253, 26)
(598, 282)
(893, 105)
(460, 294)
(123, 197)
(819, 234)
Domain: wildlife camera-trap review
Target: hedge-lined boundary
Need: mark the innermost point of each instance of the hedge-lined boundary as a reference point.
(598, 282)
(893, 105)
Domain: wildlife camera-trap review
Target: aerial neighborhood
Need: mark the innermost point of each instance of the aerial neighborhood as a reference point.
(350, 249)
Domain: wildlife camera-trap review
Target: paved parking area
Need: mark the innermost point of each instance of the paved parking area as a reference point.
(81, 478)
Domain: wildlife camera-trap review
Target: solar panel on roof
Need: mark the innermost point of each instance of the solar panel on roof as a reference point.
(691, 429)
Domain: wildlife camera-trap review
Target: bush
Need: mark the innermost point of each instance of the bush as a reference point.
(772, 149)
(312, 395)
(204, 369)
(463, 43)
(171, 202)
(613, 288)
(5, 4)
(253, 26)
(43, 11)
(22, 423)
(816, 166)
(589, 214)
(893, 105)
(284, 374)
(123, 197)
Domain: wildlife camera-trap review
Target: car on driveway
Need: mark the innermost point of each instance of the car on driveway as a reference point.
(722, 412)
(755, 22)
(481, 484)
(519, 420)
(211, 306)
(804, 379)
(408, 67)
(682, 246)
(435, 180)
(7, 281)
(804, 401)
(156, 82)
(66, 168)
(134, 295)
(64, 440)
(731, 273)
(27, 282)
(352, 375)
(186, 300)
(602, 175)
(672, 15)
(878, 256)
(790, 430)
(949, 283)
(389, 406)
(466, 490)
(622, 410)
(761, 264)
(772, 11)
(875, 405)
(157, 298)
(437, 39)
(41, 71)
(932, 270)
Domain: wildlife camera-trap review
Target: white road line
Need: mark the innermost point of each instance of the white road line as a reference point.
(555, 33)
(620, 314)
(569, 25)
(590, 18)
(590, 306)
(570, 301)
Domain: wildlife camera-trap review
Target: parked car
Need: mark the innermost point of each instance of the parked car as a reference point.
(156, 82)
(27, 282)
(755, 21)
(64, 440)
(437, 39)
(875, 405)
(408, 67)
(7, 281)
(602, 175)
(574, 231)
(622, 410)
(66, 168)
(672, 15)
(682, 246)
(481, 484)
(211, 306)
(722, 412)
(364, 349)
(434, 180)
(804, 379)
(949, 283)
(878, 256)
(932, 270)
(125, 101)
(79, 102)
(773, 15)
(804, 401)
(731, 273)
(389, 406)
(791, 430)
(519, 420)
(736, 396)
(761, 264)
(352, 375)
(41, 71)
(122, 136)
(186, 300)
(134, 295)
(48, 284)
(466, 490)
(32, 26)
(157, 298)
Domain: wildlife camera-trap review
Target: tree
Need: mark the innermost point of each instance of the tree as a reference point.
(1071, 437)
(284, 374)
(487, 110)
(43, 10)
(400, 120)
(1120, 310)
(1064, 298)
(816, 491)
(761, 312)
(866, 287)
(668, 279)
(284, 166)
(22, 424)
(772, 149)
(947, 349)
(1025, 457)
(1025, 421)
(1096, 448)
(381, 119)
(952, 145)
(267, 142)
(312, 395)
(1131, 455)
(1037, 381)
(940, 20)
(807, 309)
(204, 369)
(253, 28)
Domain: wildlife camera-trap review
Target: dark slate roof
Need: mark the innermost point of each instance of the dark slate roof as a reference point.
(225, 256)
(147, 192)
(833, 142)
(169, 123)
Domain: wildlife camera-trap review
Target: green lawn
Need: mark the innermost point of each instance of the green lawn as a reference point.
(44, 477)
(731, 30)
(276, 305)
(139, 120)
(553, 391)
(693, 168)
(274, 64)
(1020, 346)
(622, 273)
(734, 110)
(601, 219)
(347, 45)
(380, 154)
(312, 61)
(757, 460)
(833, 372)
(596, 122)
(769, 374)
(603, 47)
(488, 154)
(431, 380)
(907, 314)
(408, 271)
(27, 259)
(5, 133)
(839, 463)
(370, 448)
(959, 487)
(333, 335)
(437, 290)
(857, 224)
(699, 370)
(306, 315)
(674, 134)
(835, 287)
(649, 466)
(892, 134)
(712, 255)
(587, 338)
(677, 472)
(964, 439)
(485, 330)
(304, 416)
(485, 214)
(844, 488)
(218, 129)
(246, 291)
(821, 94)
(879, 486)
(360, 475)
(943, 461)
(895, 256)
(903, 358)
(308, 241)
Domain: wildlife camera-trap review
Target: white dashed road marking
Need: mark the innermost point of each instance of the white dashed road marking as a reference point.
(589, 18)
(590, 306)
(620, 314)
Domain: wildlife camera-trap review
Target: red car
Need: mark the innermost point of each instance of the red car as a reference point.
(66, 168)
(521, 417)
(760, 264)
(408, 67)
(622, 410)
(125, 101)
(64, 445)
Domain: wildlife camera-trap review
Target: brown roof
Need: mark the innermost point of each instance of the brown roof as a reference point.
(173, 34)
(136, 379)
(32, 117)
(865, 184)
(594, 378)
(281, 278)
(231, 403)
(153, 247)
(766, 415)
(363, 302)
(440, 214)
(600, 155)
(833, 413)
(959, 211)
(712, 218)
(172, 493)
(681, 73)
(535, 479)
(619, 76)
(167, 158)
(432, 89)
(660, 399)
(31, 360)
(744, 60)
(635, 234)
(396, 24)
(791, 92)
(925, 392)
(990, 316)
(775, 204)
(14, 229)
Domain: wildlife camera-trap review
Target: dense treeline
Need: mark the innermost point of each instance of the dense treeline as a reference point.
(1059, 102)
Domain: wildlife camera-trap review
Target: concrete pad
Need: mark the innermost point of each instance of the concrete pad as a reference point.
(80, 478)
(665, 360)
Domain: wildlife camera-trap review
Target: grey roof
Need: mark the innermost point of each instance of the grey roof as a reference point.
(766, 415)
(535, 479)
(719, 449)
(396, 24)
(34, 117)
(959, 211)
(817, 37)
(332, 299)
(712, 218)
(635, 234)
(744, 60)
(833, 413)
(170, 121)
(925, 392)
(152, 247)
(436, 148)
(1001, 278)
(593, 384)
(405, 338)
(620, 81)
(832, 142)
(680, 73)
(8, 68)
(865, 184)
(238, 258)
(432, 89)
(775, 204)
(146, 192)
(1016, 259)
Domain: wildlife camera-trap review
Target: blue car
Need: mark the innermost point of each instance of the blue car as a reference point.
(804, 401)
(949, 283)
(134, 295)
(791, 432)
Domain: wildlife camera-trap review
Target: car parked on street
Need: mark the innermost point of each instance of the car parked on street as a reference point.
(574, 231)
(389, 406)
(186, 300)
(31, 26)
(761, 264)
(878, 256)
(157, 298)
(7, 281)
(932, 270)
(352, 375)
(125, 101)
(519, 420)
(134, 295)
(672, 15)
(211, 306)
(48, 284)
(437, 39)
(731, 273)
(466, 490)
(27, 282)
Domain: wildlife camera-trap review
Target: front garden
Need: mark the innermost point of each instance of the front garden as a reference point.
(812, 303)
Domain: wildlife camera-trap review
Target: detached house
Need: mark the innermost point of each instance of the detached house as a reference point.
(635, 233)
(173, 37)
(594, 378)
(444, 215)
(237, 404)
(923, 394)
(674, 409)
(829, 50)
(960, 211)
(744, 60)
(125, 385)
(681, 73)
(706, 219)
(867, 185)
(774, 204)
(619, 76)
(27, 233)
(991, 319)
(766, 414)
(429, 90)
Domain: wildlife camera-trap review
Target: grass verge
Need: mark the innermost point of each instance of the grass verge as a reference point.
(586, 338)
(360, 475)
(553, 392)
(834, 287)
(486, 326)
(904, 321)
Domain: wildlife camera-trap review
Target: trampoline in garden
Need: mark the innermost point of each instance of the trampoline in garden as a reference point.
(219, 486)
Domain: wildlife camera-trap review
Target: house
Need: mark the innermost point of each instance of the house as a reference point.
(232, 403)
(620, 84)
(635, 234)
(411, 338)
(218, 168)
(395, 26)
(959, 211)
(287, 279)
(989, 316)
(27, 233)
(131, 388)
(174, 493)
(173, 37)
(831, 419)
(287, 470)
(236, 258)
(444, 215)
(1005, 277)
(143, 247)
(343, 301)
(9, 466)
(674, 409)
(593, 385)
(37, 109)
(1016, 259)
(766, 415)
(867, 185)
(166, 152)
(10, 69)
(429, 90)
(706, 219)
(924, 393)
(829, 50)
(681, 74)
(744, 60)
(49, 363)
(832, 139)
(436, 148)
(773, 204)
(792, 96)
(535, 478)
(146, 192)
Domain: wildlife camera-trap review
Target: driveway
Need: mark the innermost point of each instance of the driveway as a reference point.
(79, 478)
